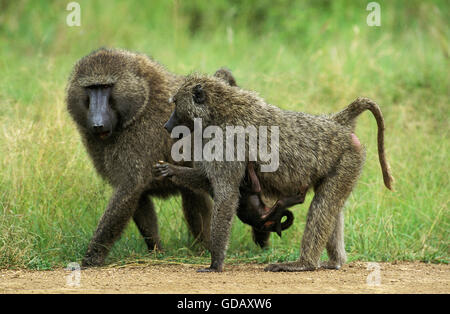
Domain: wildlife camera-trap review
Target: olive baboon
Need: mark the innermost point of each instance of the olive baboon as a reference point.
(119, 101)
(321, 152)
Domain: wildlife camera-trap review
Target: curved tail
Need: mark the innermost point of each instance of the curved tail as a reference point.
(347, 117)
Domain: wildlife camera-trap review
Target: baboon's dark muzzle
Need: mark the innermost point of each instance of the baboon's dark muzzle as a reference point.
(99, 114)
(171, 123)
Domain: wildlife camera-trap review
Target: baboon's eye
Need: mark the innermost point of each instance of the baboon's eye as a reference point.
(199, 95)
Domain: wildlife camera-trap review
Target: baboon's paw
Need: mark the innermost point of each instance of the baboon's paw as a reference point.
(88, 262)
(161, 170)
(289, 267)
(208, 270)
(330, 265)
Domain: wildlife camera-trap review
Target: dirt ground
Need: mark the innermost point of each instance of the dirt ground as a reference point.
(356, 277)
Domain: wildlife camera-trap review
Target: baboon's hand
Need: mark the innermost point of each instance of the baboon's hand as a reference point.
(91, 261)
(162, 170)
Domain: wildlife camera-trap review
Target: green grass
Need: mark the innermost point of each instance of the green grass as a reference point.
(314, 57)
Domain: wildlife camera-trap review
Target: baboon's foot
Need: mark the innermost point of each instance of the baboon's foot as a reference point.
(289, 267)
(330, 265)
(92, 261)
(209, 270)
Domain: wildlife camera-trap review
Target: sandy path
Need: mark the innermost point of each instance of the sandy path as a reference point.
(402, 277)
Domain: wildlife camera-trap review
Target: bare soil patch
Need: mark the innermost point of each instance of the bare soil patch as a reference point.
(402, 277)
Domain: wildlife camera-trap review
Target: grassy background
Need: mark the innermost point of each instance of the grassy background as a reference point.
(312, 56)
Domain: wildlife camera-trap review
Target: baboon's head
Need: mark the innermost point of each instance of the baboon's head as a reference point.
(201, 97)
(226, 75)
(107, 91)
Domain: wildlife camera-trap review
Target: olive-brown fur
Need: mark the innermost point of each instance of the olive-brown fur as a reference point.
(319, 152)
(140, 94)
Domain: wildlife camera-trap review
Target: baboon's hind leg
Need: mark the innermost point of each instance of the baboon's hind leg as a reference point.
(335, 245)
(324, 213)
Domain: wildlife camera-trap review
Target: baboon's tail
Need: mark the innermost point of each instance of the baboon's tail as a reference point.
(348, 117)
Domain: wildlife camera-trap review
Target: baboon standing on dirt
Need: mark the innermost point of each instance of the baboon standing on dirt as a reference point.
(119, 101)
(321, 152)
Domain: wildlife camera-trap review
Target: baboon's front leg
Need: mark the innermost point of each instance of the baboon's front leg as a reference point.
(226, 199)
(190, 178)
(121, 208)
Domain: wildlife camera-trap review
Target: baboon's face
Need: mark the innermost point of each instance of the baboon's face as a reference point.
(101, 117)
(190, 103)
(104, 95)
(93, 108)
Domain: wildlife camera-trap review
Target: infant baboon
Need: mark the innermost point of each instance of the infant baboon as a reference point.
(225, 74)
(251, 210)
(321, 152)
(119, 101)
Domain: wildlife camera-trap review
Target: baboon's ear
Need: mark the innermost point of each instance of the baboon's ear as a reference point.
(199, 94)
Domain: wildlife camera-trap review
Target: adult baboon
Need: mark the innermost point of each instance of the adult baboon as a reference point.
(119, 101)
(321, 152)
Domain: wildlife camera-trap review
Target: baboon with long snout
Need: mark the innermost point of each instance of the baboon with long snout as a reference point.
(320, 152)
(119, 101)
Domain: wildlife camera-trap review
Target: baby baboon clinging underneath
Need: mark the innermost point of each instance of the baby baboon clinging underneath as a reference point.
(253, 211)
(321, 152)
(119, 101)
